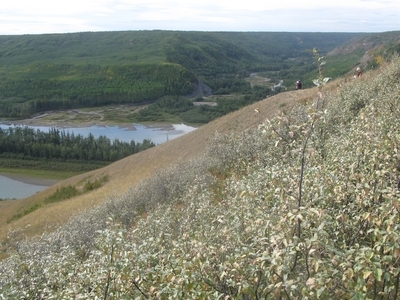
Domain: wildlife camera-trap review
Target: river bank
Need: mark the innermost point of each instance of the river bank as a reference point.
(17, 186)
(95, 122)
(30, 179)
(65, 119)
(84, 117)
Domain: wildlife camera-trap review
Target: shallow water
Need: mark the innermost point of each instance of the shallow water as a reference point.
(10, 188)
(14, 189)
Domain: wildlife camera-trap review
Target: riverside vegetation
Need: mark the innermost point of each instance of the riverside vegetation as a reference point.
(306, 206)
(23, 147)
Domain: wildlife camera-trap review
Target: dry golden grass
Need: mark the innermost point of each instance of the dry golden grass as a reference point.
(129, 171)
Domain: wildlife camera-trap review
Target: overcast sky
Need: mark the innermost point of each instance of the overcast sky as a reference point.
(49, 16)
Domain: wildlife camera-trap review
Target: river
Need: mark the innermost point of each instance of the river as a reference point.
(16, 189)
(12, 187)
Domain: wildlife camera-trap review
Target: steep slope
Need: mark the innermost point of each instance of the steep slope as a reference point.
(305, 206)
(129, 171)
(368, 52)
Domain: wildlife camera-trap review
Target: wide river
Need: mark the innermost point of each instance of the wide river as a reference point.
(13, 188)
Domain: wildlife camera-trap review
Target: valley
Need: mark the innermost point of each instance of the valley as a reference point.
(284, 195)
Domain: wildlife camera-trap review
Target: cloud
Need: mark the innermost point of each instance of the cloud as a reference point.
(44, 16)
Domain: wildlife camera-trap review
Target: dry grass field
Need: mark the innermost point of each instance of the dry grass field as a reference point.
(129, 171)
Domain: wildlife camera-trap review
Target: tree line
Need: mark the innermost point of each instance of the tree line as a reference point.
(47, 87)
(184, 108)
(33, 144)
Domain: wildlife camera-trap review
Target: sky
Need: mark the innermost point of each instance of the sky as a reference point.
(19, 17)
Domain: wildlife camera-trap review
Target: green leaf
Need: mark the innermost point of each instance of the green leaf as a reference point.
(378, 274)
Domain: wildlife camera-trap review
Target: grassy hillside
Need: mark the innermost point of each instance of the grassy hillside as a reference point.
(61, 71)
(299, 205)
(129, 171)
(368, 52)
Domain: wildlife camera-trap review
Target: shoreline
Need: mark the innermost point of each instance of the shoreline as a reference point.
(62, 125)
(66, 125)
(30, 179)
(77, 118)
(43, 121)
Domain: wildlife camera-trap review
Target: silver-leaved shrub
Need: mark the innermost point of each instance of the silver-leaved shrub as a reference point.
(306, 206)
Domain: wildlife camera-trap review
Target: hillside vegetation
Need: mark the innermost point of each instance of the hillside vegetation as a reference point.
(90, 69)
(129, 171)
(304, 206)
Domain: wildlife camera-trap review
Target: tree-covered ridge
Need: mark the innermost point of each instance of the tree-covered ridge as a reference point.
(83, 48)
(306, 206)
(59, 71)
(45, 87)
(150, 46)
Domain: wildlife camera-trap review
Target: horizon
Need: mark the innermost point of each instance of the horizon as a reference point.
(203, 31)
(24, 17)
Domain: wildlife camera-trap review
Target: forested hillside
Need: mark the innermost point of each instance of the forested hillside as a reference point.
(305, 206)
(61, 71)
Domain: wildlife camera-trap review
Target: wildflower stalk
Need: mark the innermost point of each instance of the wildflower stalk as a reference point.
(321, 80)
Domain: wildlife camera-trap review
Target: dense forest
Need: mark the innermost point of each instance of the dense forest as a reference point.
(62, 71)
(49, 87)
(184, 108)
(27, 147)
